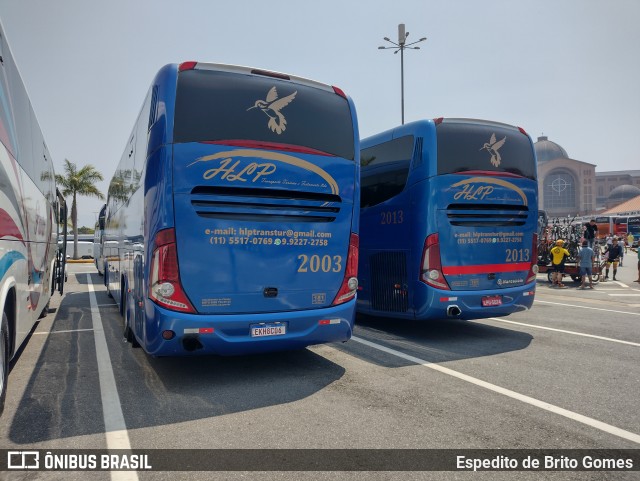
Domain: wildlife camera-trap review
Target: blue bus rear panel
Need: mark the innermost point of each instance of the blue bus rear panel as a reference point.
(230, 334)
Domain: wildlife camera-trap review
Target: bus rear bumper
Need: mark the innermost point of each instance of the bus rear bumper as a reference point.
(469, 305)
(230, 335)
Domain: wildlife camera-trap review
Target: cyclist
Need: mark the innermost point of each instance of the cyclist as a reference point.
(559, 255)
(615, 254)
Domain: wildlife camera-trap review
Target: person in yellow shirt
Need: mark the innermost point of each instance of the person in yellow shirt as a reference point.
(558, 257)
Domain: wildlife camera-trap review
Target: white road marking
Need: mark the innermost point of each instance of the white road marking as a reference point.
(114, 425)
(59, 332)
(588, 307)
(574, 333)
(621, 433)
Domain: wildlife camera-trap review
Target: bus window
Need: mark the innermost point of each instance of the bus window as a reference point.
(385, 168)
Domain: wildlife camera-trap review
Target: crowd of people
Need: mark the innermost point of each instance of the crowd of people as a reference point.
(613, 255)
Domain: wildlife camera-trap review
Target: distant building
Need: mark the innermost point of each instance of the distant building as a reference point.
(629, 207)
(616, 187)
(569, 187)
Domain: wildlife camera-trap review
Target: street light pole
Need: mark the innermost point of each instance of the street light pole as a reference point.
(400, 47)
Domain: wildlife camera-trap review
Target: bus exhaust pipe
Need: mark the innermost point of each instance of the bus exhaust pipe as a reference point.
(191, 344)
(453, 311)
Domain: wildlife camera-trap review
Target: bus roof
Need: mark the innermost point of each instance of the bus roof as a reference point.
(239, 69)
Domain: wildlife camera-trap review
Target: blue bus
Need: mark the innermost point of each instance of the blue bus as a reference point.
(232, 217)
(633, 228)
(31, 212)
(449, 219)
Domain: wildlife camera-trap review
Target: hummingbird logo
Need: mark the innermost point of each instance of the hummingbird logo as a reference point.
(492, 147)
(271, 106)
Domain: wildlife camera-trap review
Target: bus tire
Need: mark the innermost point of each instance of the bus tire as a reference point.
(106, 283)
(128, 332)
(4, 360)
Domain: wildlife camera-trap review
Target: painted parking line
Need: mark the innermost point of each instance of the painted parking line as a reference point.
(594, 423)
(564, 331)
(66, 331)
(114, 425)
(588, 307)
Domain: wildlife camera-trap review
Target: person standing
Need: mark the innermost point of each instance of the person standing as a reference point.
(630, 240)
(615, 253)
(609, 240)
(638, 251)
(586, 256)
(558, 256)
(591, 232)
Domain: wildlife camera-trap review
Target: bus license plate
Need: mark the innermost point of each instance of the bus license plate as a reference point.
(489, 301)
(265, 330)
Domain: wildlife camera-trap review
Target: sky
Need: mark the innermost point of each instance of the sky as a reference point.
(566, 69)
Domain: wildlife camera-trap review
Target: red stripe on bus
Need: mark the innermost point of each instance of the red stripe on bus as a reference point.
(485, 268)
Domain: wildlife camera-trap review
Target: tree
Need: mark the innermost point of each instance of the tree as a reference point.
(78, 182)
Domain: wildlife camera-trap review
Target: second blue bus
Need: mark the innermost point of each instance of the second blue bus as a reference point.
(449, 220)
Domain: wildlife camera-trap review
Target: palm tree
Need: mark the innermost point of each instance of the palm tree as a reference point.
(78, 182)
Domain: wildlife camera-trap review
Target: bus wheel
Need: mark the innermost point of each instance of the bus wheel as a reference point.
(106, 283)
(4, 360)
(128, 332)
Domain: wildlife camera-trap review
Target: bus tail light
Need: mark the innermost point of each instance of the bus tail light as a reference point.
(190, 65)
(431, 272)
(350, 282)
(533, 270)
(339, 91)
(164, 280)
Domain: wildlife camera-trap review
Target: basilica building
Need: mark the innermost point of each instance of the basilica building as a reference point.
(570, 187)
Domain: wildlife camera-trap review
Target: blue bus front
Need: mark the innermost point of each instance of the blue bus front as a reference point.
(263, 252)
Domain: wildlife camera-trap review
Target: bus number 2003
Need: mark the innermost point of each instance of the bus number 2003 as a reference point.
(316, 263)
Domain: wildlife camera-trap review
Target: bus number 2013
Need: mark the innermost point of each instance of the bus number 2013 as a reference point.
(518, 255)
(317, 263)
(392, 217)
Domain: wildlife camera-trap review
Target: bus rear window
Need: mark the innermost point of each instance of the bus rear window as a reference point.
(218, 106)
(465, 145)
